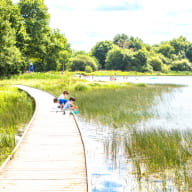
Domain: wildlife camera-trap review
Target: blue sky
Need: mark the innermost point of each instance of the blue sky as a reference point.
(85, 22)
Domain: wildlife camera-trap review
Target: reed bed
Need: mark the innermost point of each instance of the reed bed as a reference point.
(164, 154)
(16, 109)
(159, 149)
(119, 107)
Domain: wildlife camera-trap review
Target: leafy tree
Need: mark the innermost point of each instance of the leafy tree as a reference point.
(58, 52)
(156, 63)
(48, 49)
(36, 19)
(124, 59)
(11, 13)
(189, 53)
(100, 51)
(80, 63)
(133, 43)
(115, 59)
(180, 45)
(10, 56)
(166, 49)
(181, 65)
(140, 61)
(120, 39)
(128, 60)
(76, 52)
(11, 60)
(123, 41)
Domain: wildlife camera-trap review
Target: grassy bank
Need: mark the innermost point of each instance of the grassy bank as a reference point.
(135, 73)
(55, 82)
(16, 109)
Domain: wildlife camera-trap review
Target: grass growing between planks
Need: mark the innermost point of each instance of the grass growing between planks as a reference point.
(16, 109)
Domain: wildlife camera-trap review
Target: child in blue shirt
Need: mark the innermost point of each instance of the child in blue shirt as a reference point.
(61, 102)
(70, 106)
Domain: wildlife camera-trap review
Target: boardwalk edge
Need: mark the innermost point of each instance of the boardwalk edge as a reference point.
(85, 154)
(11, 156)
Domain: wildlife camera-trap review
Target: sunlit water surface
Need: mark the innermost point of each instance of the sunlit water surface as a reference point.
(109, 169)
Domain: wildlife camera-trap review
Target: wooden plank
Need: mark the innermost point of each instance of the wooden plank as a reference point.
(51, 155)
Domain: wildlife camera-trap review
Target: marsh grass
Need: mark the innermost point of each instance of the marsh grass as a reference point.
(160, 149)
(16, 109)
(167, 153)
(119, 107)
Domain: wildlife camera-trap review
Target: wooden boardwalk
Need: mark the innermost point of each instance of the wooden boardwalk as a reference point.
(51, 157)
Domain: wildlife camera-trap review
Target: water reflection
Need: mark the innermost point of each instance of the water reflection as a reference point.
(172, 112)
(109, 166)
(108, 171)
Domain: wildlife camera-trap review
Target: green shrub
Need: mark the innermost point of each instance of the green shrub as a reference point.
(141, 85)
(181, 65)
(88, 69)
(81, 87)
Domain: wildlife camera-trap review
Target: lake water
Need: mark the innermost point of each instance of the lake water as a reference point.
(109, 168)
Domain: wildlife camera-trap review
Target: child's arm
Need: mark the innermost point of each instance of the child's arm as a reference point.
(74, 107)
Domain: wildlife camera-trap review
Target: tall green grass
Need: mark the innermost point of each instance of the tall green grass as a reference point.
(16, 109)
(159, 149)
(119, 107)
(167, 153)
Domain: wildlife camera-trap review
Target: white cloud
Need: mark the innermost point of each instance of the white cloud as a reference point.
(153, 21)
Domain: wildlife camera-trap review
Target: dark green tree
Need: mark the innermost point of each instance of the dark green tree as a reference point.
(116, 59)
(120, 39)
(189, 53)
(166, 49)
(11, 28)
(181, 65)
(156, 63)
(140, 61)
(100, 51)
(80, 63)
(123, 41)
(10, 56)
(36, 19)
(58, 52)
(133, 43)
(180, 45)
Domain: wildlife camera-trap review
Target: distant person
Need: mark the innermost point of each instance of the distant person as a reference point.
(31, 68)
(64, 95)
(61, 102)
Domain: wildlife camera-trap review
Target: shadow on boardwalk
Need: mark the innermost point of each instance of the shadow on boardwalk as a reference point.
(50, 156)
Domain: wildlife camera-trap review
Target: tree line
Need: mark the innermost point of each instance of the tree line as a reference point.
(132, 54)
(26, 38)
